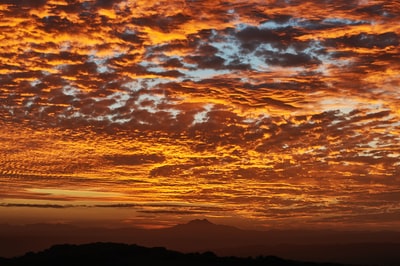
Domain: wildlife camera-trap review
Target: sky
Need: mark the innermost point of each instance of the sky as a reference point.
(259, 114)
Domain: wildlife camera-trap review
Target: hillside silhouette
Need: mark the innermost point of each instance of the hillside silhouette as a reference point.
(345, 247)
(123, 254)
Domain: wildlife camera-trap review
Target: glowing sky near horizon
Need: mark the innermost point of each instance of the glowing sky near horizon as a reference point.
(258, 113)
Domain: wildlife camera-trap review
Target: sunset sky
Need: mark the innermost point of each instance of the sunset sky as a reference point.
(258, 113)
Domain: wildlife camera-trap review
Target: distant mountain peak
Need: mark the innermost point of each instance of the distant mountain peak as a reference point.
(200, 222)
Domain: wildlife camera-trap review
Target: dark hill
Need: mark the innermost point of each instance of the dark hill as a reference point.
(123, 254)
(346, 247)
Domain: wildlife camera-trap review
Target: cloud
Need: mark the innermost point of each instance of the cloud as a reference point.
(56, 206)
(216, 102)
(366, 40)
(380, 10)
(105, 3)
(164, 24)
(56, 23)
(25, 3)
(135, 159)
(173, 212)
(251, 36)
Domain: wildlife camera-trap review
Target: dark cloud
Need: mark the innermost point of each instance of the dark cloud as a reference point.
(169, 170)
(375, 10)
(56, 206)
(366, 40)
(174, 212)
(56, 23)
(25, 3)
(205, 62)
(280, 104)
(164, 24)
(118, 205)
(130, 37)
(173, 62)
(106, 3)
(288, 60)
(135, 159)
(251, 37)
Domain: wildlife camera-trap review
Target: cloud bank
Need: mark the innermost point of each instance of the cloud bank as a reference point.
(279, 111)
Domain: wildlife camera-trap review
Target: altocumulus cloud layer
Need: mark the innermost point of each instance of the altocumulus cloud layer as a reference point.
(266, 111)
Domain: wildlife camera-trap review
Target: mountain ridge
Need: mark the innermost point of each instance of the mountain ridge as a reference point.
(116, 254)
(203, 235)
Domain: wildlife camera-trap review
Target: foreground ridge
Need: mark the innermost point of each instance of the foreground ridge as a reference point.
(123, 254)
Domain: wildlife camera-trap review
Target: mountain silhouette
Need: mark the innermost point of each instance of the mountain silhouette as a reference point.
(102, 254)
(203, 225)
(204, 229)
(197, 223)
(203, 222)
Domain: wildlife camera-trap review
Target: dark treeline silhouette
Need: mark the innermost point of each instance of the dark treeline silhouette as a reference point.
(115, 254)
